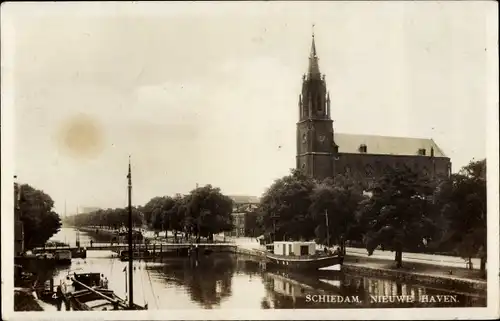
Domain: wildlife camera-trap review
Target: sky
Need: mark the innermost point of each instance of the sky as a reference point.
(207, 93)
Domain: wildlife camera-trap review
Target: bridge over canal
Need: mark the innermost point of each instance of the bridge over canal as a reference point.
(155, 247)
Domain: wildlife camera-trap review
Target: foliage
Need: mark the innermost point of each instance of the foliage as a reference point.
(40, 222)
(207, 212)
(285, 208)
(338, 200)
(398, 215)
(253, 224)
(461, 204)
(116, 218)
(203, 212)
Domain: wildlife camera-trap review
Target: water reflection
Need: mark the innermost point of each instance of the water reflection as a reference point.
(348, 291)
(226, 281)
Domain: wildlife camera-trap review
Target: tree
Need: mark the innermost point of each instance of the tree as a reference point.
(153, 212)
(253, 224)
(175, 215)
(39, 220)
(398, 214)
(461, 202)
(338, 200)
(285, 208)
(208, 212)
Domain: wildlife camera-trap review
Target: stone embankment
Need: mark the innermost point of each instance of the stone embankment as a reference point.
(426, 274)
(430, 275)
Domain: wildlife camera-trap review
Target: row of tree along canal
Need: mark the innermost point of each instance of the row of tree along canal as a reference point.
(399, 211)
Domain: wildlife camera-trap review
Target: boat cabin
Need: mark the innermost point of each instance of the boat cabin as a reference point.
(294, 248)
(89, 279)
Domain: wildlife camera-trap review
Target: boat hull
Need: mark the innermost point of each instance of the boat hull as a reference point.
(87, 300)
(302, 264)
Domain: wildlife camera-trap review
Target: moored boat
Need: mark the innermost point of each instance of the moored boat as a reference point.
(300, 256)
(87, 292)
(63, 256)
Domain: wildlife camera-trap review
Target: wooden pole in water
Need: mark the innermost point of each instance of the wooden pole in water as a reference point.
(327, 230)
(130, 252)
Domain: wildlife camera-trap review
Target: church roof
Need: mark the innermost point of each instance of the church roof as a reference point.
(386, 145)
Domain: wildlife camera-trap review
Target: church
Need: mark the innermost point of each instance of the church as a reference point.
(322, 152)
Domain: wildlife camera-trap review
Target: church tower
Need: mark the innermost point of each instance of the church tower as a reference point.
(316, 147)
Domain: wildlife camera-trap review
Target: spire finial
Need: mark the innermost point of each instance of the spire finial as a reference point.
(313, 45)
(313, 71)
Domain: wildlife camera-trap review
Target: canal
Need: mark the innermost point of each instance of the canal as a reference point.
(228, 281)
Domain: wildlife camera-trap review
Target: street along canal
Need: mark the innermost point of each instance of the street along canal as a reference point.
(229, 281)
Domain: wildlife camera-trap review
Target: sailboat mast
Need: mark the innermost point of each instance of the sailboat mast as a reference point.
(130, 252)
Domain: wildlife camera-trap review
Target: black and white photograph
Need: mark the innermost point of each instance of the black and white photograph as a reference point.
(250, 160)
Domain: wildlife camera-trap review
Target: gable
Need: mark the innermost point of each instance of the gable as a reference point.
(386, 145)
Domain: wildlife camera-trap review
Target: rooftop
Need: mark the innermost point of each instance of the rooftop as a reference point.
(244, 199)
(386, 145)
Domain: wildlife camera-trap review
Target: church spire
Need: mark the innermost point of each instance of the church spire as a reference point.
(313, 71)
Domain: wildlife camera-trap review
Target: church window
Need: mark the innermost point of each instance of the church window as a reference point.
(321, 138)
(304, 137)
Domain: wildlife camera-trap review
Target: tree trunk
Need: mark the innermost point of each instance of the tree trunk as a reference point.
(483, 264)
(469, 264)
(398, 256)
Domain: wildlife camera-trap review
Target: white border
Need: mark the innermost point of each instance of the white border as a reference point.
(110, 8)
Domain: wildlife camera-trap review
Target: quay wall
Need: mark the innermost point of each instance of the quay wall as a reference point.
(459, 284)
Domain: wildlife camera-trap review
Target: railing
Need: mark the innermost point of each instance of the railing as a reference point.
(97, 246)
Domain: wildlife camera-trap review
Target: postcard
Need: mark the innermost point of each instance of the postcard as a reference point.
(250, 160)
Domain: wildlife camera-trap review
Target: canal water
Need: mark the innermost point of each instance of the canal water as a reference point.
(227, 281)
